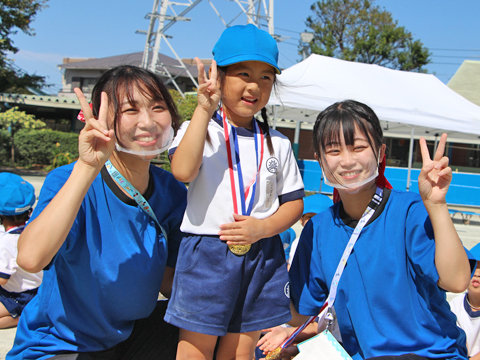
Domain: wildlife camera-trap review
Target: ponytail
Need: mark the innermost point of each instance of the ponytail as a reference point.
(266, 129)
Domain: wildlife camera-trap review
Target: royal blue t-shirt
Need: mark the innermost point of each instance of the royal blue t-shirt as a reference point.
(108, 272)
(388, 301)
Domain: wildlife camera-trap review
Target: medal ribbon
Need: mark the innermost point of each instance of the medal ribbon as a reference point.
(139, 199)
(370, 210)
(240, 195)
(15, 229)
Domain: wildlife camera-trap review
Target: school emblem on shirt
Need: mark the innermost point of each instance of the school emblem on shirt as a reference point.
(286, 290)
(272, 165)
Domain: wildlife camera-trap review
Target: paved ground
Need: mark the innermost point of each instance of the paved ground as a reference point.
(469, 234)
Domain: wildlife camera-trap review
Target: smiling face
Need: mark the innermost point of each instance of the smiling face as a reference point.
(350, 164)
(144, 123)
(246, 90)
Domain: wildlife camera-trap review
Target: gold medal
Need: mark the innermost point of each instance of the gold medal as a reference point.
(272, 355)
(239, 250)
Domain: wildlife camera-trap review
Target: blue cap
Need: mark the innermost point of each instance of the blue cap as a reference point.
(246, 43)
(16, 195)
(316, 203)
(475, 251)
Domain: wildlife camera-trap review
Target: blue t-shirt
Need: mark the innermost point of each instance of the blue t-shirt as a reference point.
(388, 301)
(108, 272)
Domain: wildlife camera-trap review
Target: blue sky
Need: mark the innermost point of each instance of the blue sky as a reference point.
(100, 28)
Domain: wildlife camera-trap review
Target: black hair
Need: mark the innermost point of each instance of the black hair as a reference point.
(121, 81)
(343, 117)
(19, 219)
(265, 125)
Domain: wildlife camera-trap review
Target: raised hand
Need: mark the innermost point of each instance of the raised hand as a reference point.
(95, 143)
(435, 176)
(208, 93)
(245, 230)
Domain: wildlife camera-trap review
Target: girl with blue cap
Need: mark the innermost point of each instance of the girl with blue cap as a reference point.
(17, 287)
(245, 188)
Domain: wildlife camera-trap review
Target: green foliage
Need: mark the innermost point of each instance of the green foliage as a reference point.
(16, 120)
(44, 146)
(16, 15)
(5, 145)
(186, 106)
(356, 30)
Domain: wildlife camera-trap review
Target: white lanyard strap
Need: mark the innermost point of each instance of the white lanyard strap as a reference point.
(376, 200)
(139, 199)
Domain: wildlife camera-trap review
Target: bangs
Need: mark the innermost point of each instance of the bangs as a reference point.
(343, 119)
(125, 88)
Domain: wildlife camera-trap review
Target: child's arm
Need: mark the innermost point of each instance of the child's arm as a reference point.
(247, 229)
(44, 236)
(451, 259)
(186, 160)
(3, 281)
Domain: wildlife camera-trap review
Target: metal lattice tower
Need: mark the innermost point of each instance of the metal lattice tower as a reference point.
(164, 16)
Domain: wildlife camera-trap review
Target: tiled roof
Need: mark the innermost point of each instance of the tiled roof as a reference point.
(106, 63)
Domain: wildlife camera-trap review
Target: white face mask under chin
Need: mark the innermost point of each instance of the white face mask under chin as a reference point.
(352, 187)
(149, 153)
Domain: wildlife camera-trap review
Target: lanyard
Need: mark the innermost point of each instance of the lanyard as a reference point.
(239, 193)
(370, 210)
(139, 199)
(372, 206)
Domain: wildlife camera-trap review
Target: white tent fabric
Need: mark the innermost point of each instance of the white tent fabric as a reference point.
(400, 99)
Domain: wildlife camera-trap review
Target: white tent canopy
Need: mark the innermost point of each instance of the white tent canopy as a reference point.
(400, 99)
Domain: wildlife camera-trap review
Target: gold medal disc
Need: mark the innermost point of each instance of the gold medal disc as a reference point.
(272, 355)
(239, 249)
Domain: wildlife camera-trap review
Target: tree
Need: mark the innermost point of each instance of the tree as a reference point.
(14, 120)
(356, 30)
(185, 105)
(16, 15)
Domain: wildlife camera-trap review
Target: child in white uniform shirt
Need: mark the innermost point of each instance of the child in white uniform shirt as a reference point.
(245, 188)
(17, 287)
(467, 309)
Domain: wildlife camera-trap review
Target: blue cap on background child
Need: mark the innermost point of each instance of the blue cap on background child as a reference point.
(316, 203)
(246, 43)
(475, 251)
(16, 195)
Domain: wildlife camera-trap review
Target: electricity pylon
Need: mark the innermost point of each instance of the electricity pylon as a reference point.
(164, 16)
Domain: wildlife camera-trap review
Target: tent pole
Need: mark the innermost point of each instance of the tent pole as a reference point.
(274, 117)
(410, 158)
(296, 138)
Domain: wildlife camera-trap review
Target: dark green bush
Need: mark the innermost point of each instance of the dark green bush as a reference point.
(5, 145)
(41, 146)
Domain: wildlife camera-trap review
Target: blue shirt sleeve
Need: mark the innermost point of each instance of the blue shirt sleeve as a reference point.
(308, 288)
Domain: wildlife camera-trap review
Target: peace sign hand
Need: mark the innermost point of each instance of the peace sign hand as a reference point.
(435, 176)
(95, 142)
(208, 92)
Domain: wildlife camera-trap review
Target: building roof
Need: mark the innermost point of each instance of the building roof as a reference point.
(172, 65)
(466, 81)
(41, 100)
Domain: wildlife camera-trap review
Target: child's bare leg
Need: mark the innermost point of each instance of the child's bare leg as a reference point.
(195, 346)
(6, 320)
(239, 346)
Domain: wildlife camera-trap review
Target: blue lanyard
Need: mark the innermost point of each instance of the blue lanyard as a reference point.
(139, 199)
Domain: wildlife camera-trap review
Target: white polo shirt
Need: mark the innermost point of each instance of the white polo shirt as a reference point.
(209, 199)
(18, 279)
